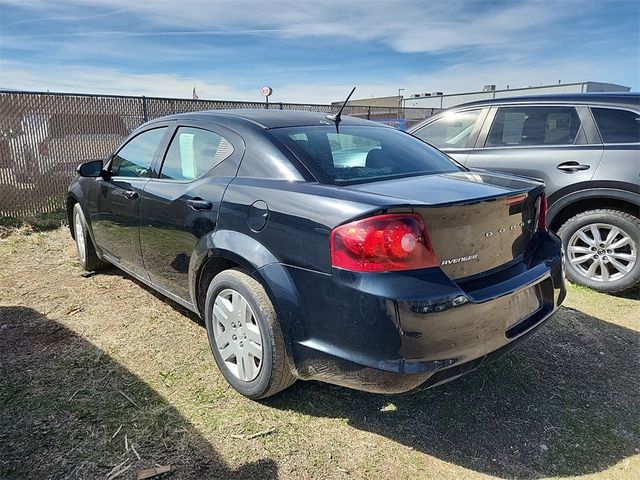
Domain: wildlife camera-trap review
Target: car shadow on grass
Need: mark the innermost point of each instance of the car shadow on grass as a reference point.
(566, 403)
(114, 271)
(631, 294)
(66, 407)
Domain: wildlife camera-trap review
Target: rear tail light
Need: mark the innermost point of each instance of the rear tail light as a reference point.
(541, 212)
(383, 243)
(515, 199)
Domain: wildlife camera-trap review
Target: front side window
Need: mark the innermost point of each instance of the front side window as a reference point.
(534, 126)
(193, 152)
(359, 153)
(452, 130)
(617, 126)
(134, 159)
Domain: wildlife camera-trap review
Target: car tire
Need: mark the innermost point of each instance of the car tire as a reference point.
(86, 250)
(239, 315)
(579, 242)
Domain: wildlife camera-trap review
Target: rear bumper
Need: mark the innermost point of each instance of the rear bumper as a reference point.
(395, 332)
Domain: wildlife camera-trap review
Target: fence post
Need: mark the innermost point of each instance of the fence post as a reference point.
(145, 112)
(369, 113)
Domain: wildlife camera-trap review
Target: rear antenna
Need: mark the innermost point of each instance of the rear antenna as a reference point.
(337, 117)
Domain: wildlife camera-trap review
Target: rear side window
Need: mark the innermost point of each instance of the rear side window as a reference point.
(534, 126)
(452, 130)
(617, 126)
(362, 153)
(193, 152)
(134, 159)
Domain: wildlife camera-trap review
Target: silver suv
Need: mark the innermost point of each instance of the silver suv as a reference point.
(586, 148)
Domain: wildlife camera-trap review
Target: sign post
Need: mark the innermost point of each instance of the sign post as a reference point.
(266, 92)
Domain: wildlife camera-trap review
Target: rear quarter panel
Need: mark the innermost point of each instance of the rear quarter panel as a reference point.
(300, 217)
(620, 163)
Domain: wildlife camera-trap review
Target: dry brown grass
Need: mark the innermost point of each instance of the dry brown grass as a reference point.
(88, 361)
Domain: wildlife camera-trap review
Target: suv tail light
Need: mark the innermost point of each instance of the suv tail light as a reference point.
(541, 212)
(390, 242)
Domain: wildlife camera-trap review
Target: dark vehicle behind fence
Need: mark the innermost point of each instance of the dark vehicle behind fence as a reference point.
(585, 147)
(321, 247)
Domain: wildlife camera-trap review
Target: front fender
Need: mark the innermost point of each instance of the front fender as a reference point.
(76, 194)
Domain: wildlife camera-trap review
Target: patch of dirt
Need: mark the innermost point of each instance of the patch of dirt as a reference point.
(88, 362)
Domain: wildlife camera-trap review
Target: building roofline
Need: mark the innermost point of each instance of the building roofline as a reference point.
(553, 85)
(620, 98)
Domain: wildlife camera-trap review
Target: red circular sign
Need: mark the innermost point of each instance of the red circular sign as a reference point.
(266, 91)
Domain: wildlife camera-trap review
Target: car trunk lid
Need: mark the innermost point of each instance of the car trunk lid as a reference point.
(477, 221)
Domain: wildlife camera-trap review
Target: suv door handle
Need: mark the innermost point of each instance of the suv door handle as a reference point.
(130, 194)
(199, 204)
(572, 167)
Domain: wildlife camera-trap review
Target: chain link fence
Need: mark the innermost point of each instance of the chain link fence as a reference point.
(44, 137)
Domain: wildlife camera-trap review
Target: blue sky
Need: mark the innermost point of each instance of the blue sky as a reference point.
(313, 51)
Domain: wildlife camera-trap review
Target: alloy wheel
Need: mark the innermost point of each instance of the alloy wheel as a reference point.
(602, 252)
(237, 335)
(80, 238)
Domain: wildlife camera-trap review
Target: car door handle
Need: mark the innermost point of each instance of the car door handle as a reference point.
(572, 167)
(130, 194)
(199, 204)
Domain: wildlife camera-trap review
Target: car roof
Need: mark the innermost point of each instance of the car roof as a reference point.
(620, 99)
(269, 118)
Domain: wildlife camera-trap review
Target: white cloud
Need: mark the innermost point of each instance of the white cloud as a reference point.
(407, 27)
(81, 79)
(469, 77)
(514, 43)
(459, 78)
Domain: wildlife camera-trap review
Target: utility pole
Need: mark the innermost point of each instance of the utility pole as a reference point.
(400, 90)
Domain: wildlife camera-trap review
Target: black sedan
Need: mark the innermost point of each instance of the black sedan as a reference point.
(320, 247)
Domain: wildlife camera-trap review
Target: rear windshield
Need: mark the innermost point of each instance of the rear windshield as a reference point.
(361, 154)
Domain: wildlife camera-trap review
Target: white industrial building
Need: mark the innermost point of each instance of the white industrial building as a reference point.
(441, 100)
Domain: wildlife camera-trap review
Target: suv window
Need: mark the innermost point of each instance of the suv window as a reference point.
(134, 159)
(529, 126)
(617, 126)
(451, 130)
(193, 152)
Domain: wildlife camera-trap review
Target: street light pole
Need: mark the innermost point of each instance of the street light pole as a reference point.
(400, 90)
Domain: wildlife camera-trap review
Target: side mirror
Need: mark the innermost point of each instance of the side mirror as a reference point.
(90, 169)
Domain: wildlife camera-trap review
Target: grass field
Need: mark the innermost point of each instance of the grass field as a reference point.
(100, 377)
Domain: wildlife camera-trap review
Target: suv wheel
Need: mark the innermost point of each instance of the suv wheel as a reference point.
(245, 335)
(602, 249)
(86, 250)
